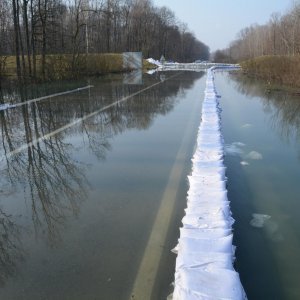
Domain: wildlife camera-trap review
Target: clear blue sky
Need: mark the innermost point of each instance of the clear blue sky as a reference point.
(217, 22)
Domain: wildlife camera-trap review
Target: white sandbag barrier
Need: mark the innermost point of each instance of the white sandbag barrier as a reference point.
(205, 253)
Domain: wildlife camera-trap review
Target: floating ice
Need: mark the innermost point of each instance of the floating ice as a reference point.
(239, 144)
(233, 149)
(259, 220)
(270, 227)
(254, 155)
(246, 125)
(205, 254)
(244, 163)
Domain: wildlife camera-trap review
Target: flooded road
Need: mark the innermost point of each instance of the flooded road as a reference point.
(262, 133)
(93, 187)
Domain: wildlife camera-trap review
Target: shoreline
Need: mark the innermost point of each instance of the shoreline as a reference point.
(277, 73)
(61, 67)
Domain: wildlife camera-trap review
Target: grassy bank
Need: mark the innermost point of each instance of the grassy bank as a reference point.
(275, 70)
(64, 66)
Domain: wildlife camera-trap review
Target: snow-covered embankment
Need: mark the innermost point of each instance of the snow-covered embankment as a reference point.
(205, 254)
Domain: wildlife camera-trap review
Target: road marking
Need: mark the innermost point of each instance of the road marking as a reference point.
(147, 273)
(53, 95)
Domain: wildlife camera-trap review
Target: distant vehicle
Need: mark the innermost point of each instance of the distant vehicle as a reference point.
(198, 61)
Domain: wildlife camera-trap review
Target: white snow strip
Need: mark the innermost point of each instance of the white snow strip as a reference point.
(205, 253)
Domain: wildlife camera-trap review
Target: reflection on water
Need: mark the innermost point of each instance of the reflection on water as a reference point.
(263, 177)
(44, 184)
(134, 77)
(53, 183)
(283, 107)
(11, 92)
(10, 247)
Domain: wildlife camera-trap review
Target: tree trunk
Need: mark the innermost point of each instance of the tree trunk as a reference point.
(17, 46)
(21, 42)
(43, 18)
(25, 3)
(32, 39)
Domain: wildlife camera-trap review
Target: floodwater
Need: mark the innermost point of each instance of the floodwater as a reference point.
(93, 186)
(262, 133)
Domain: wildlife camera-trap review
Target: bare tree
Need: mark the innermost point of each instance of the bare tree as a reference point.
(76, 27)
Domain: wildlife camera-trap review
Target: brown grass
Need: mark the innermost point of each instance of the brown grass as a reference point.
(282, 70)
(61, 66)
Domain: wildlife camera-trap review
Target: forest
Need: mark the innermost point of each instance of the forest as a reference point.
(270, 51)
(33, 30)
(279, 36)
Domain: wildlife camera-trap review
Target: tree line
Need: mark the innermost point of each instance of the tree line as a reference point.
(33, 29)
(279, 36)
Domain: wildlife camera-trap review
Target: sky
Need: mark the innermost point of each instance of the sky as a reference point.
(217, 22)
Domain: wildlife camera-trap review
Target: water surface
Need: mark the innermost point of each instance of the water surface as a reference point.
(262, 133)
(82, 179)
(78, 205)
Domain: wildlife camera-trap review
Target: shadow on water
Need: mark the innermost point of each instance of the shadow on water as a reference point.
(53, 182)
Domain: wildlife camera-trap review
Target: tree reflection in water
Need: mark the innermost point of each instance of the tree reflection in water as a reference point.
(49, 175)
(10, 247)
(283, 107)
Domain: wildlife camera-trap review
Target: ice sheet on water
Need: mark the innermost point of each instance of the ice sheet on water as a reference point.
(259, 220)
(254, 155)
(234, 148)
